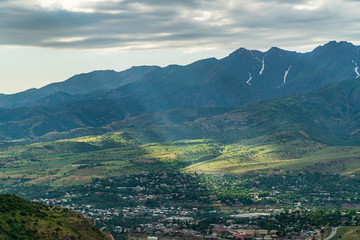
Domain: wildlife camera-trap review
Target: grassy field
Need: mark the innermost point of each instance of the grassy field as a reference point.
(76, 161)
(264, 155)
(347, 233)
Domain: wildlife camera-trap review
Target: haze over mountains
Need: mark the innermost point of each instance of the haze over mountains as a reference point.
(281, 90)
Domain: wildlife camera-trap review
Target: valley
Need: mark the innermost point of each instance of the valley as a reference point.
(177, 120)
(125, 183)
(257, 144)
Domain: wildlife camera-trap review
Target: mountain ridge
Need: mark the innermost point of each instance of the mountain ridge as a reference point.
(226, 82)
(241, 77)
(75, 86)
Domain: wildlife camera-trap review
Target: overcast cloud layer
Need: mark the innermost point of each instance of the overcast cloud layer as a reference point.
(159, 24)
(44, 41)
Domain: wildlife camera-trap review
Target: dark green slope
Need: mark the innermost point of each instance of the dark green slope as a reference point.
(331, 115)
(21, 219)
(37, 121)
(90, 117)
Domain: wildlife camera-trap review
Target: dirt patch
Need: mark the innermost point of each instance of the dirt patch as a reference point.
(169, 156)
(353, 171)
(47, 178)
(56, 166)
(79, 165)
(12, 176)
(32, 176)
(354, 132)
(304, 134)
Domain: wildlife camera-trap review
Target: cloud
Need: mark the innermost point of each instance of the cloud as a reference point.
(155, 24)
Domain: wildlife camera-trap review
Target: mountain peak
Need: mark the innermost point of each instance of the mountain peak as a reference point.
(275, 50)
(334, 45)
(241, 51)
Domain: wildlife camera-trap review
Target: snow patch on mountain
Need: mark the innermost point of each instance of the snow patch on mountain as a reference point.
(262, 63)
(286, 73)
(356, 69)
(250, 78)
(262, 67)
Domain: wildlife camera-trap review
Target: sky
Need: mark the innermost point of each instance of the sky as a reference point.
(44, 41)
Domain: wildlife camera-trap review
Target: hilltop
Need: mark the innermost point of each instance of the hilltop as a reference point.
(21, 219)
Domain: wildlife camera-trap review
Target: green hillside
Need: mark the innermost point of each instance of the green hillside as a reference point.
(21, 219)
(330, 116)
(77, 161)
(348, 233)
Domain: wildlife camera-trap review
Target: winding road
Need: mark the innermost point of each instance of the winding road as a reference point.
(333, 233)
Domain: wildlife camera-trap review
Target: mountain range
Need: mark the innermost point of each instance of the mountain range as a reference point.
(246, 93)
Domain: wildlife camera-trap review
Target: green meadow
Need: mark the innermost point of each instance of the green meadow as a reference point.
(77, 161)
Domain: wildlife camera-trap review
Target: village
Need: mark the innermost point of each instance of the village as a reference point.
(178, 205)
(178, 222)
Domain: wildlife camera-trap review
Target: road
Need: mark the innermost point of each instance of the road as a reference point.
(333, 233)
